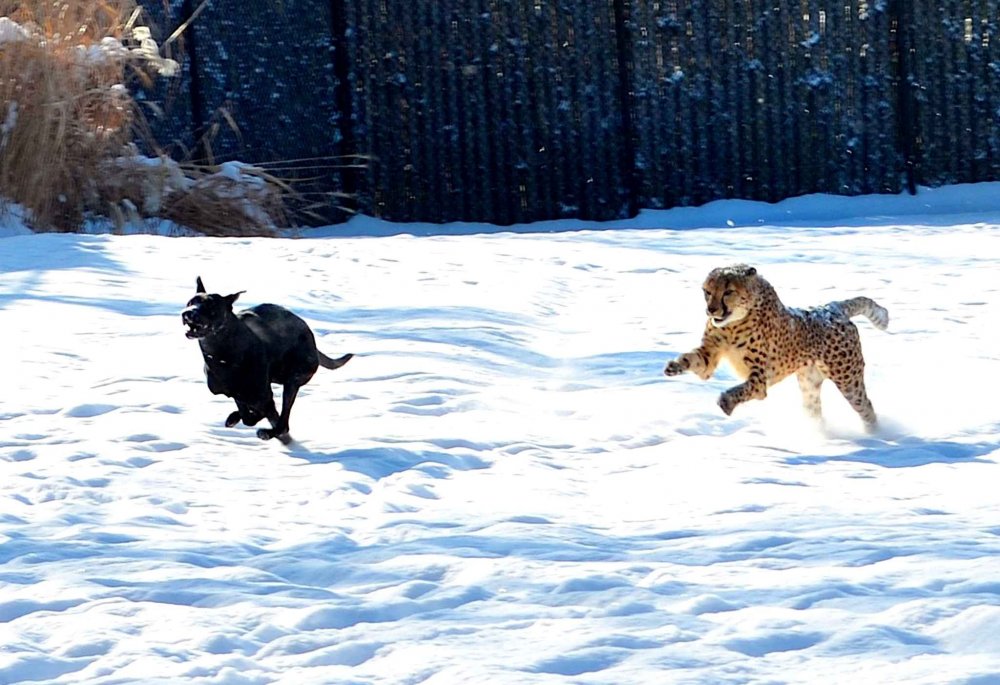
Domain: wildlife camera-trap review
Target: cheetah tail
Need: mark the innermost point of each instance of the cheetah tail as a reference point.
(875, 312)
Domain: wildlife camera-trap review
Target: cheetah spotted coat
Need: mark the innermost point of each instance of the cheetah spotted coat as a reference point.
(765, 342)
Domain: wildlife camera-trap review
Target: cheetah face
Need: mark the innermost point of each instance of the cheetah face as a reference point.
(728, 294)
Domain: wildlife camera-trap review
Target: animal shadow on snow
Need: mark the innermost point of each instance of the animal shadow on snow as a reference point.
(906, 453)
(381, 462)
(50, 252)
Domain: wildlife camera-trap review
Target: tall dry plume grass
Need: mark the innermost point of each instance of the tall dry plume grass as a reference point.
(67, 122)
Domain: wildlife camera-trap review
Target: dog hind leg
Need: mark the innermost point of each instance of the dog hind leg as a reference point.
(279, 424)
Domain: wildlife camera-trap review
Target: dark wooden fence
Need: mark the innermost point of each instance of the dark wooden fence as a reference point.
(955, 74)
(764, 100)
(521, 110)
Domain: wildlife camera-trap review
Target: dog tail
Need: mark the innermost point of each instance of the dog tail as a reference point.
(328, 363)
(876, 313)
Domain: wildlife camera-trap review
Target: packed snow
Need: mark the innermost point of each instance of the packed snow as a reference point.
(502, 487)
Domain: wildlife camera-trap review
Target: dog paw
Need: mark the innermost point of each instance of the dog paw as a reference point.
(232, 419)
(268, 433)
(674, 368)
(727, 402)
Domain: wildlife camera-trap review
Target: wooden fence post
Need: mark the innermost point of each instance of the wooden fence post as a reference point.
(906, 116)
(197, 97)
(346, 146)
(626, 68)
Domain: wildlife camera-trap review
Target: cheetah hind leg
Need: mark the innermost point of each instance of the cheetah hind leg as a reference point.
(810, 379)
(854, 392)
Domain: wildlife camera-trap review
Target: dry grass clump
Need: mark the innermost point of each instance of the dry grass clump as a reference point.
(63, 113)
(67, 122)
(230, 199)
(221, 205)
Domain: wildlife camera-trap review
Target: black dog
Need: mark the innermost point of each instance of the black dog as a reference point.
(246, 352)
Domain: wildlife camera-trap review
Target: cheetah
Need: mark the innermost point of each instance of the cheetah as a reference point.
(765, 342)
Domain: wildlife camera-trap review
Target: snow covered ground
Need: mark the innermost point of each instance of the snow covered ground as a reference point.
(502, 487)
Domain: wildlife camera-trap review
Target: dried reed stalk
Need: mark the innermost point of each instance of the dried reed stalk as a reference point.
(67, 119)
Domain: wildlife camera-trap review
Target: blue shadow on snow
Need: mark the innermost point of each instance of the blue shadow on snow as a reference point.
(906, 453)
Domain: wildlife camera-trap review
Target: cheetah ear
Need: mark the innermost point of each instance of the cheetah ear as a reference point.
(752, 271)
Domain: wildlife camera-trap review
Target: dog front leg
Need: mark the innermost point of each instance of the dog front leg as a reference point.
(241, 414)
(245, 413)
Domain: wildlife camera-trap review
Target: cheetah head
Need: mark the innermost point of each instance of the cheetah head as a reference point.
(730, 293)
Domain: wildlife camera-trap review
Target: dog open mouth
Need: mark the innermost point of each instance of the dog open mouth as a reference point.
(195, 328)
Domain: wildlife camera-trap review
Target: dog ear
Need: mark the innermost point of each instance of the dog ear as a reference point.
(200, 286)
(232, 298)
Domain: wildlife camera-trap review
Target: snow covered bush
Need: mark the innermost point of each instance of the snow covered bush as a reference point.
(230, 199)
(68, 122)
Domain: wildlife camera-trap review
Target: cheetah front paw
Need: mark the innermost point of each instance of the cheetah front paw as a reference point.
(674, 368)
(728, 402)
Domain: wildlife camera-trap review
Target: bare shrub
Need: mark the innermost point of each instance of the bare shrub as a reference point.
(230, 199)
(67, 121)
